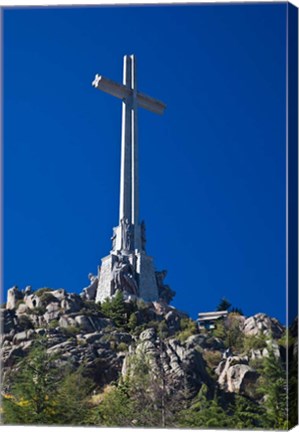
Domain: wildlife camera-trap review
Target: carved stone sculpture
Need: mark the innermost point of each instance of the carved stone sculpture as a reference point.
(165, 292)
(126, 234)
(123, 276)
(113, 238)
(89, 292)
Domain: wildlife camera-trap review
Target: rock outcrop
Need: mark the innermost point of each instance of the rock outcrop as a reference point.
(262, 324)
(235, 375)
(181, 364)
(77, 332)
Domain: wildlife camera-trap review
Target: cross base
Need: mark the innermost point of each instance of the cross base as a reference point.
(132, 273)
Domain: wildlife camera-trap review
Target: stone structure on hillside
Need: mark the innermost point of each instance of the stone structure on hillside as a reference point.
(128, 267)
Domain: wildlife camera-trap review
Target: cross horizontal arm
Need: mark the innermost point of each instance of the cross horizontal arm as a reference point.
(150, 103)
(111, 87)
(121, 91)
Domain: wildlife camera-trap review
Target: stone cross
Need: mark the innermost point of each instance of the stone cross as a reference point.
(129, 176)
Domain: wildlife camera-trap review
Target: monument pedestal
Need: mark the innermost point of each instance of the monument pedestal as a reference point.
(143, 273)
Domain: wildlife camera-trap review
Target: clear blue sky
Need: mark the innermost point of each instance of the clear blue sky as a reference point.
(212, 169)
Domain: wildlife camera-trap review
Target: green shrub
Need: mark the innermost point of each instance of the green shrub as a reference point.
(184, 323)
(38, 310)
(122, 346)
(19, 302)
(153, 323)
(254, 342)
(25, 322)
(287, 340)
(91, 306)
(139, 329)
(53, 324)
(70, 331)
(142, 305)
(115, 309)
(257, 364)
(81, 342)
(46, 298)
(212, 358)
(163, 331)
(42, 291)
(234, 336)
(219, 331)
(188, 328)
(132, 323)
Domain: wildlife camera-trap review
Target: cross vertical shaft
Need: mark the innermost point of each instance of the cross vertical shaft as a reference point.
(128, 236)
(129, 181)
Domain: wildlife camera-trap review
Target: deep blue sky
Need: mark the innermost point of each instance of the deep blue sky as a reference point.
(212, 169)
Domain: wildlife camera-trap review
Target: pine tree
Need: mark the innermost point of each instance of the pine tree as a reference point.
(247, 414)
(205, 413)
(132, 323)
(116, 408)
(115, 309)
(43, 393)
(223, 305)
(273, 388)
(32, 394)
(73, 398)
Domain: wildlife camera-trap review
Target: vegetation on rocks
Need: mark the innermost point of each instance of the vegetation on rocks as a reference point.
(70, 361)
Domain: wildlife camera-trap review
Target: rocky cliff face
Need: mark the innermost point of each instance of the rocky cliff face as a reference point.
(79, 332)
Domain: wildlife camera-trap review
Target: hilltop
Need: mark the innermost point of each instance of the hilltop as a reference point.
(141, 363)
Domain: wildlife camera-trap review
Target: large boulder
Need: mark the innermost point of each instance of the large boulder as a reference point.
(53, 311)
(9, 321)
(272, 346)
(84, 323)
(13, 296)
(23, 336)
(21, 309)
(67, 321)
(262, 324)
(72, 303)
(32, 301)
(235, 375)
(89, 292)
(148, 334)
(60, 294)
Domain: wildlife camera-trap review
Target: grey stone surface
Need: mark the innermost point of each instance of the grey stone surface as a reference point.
(32, 301)
(104, 289)
(13, 295)
(148, 334)
(84, 323)
(143, 273)
(60, 294)
(89, 292)
(23, 336)
(262, 324)
(182, 366)
(235, 375)
(148, 289)
(95, 344)
(22, 309)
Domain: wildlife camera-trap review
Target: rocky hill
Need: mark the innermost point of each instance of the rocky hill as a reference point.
(105, 341)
